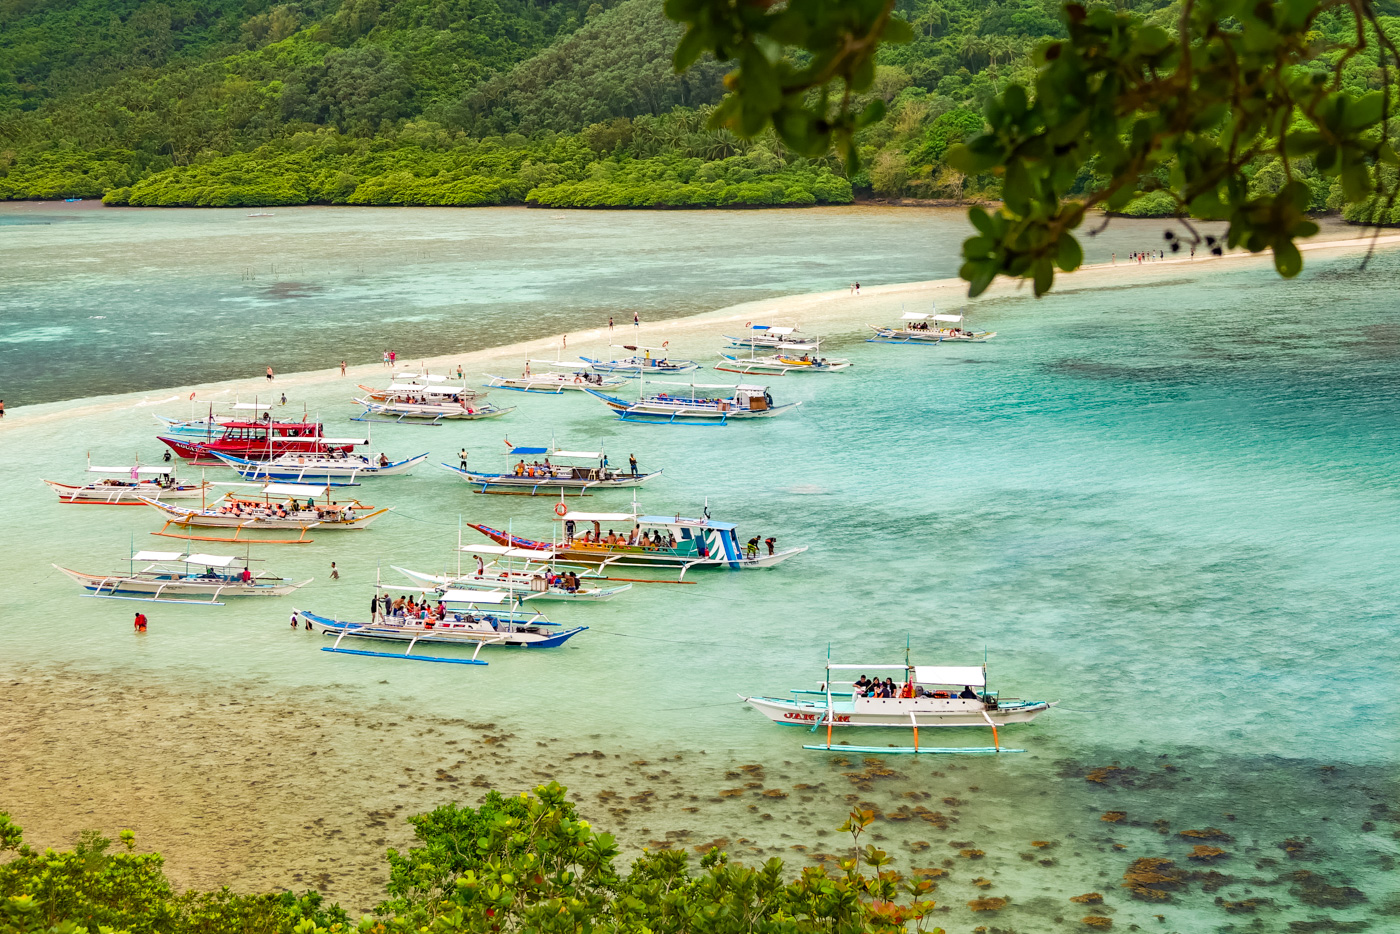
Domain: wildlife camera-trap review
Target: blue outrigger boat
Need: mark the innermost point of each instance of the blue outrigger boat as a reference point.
(338, 469)
(473, 620)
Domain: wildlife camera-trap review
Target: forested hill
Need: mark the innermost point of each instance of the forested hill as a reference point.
(553, 102)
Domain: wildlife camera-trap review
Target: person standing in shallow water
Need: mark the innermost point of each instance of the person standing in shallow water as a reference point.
(269, 374)
(140, 622)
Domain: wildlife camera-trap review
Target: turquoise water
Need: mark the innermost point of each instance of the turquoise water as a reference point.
(1174, 509)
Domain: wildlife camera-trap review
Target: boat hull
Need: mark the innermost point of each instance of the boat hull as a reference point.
(124, 495)
(904, 336)
(897, 712)
(212, 520)
(548, 486)
(202, 453)
(285, 470)
(399, 630)
(672, 412)
(718, 553)
(633, 369)
(547, 386)
(430, 411)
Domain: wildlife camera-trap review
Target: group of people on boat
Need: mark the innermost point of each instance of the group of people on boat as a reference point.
(635, 538)
(567, 581)
(925, 326)
(292, 509)
(406, 608)
(865, 687)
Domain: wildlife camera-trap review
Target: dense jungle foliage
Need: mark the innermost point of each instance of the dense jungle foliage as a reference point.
(569, 103)
(526, 863)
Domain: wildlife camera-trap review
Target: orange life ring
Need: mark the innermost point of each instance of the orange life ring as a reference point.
(560, 509)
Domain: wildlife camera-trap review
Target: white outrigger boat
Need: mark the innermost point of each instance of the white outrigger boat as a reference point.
(529, 574)
(771, 337)
(336, 469)
(919, 328)
(283, 506)
(432, 385)
(561, 377)
(929, 696)
(433, 405)
(167, 576)
(473, 621)
(641, 363)
(736, 402)
(780, 364)
(662, 542)
(565, 473)
(129, 486)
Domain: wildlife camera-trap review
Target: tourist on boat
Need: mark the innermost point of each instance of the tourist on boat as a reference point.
(770, 542)
(967, 693)
(751, 549)
(374, 609)
(383, 461)
(861, 685)
(520, 469)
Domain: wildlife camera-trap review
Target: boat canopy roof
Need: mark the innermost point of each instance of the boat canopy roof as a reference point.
(482, 597)
(772, 329)
(254, 406)
(695, 523)
(598, 516)
(213, 561)
(914, 316)
(564, 363)
(506, 551)
(154, 469)
(588, 455)
(341, 441)
(636, 347)
(414, 374)
(947, 317)
(664, 382)
(294, 489)
(968, 675)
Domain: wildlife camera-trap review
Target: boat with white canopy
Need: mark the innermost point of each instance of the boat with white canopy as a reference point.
(774, 337)
(128, 486)
(558, 376)
(561, 473)
(525, 572)
(471, 619)
(780, 364)
(704, 403)
(282, 506)
(433, 405)
(173, 577)
(919, 328)
(420, 383)
(665, 542)
(338, 469)
(926, 696)
(643, 362)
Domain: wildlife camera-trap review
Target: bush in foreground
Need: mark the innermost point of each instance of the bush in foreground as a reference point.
(525, 864)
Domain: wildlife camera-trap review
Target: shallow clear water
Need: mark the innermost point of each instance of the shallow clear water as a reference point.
(1174, 509)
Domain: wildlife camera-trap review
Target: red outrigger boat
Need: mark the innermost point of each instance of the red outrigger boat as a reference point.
(260, 441)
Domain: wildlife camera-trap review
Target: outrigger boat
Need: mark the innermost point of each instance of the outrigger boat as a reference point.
(169, 575)
(282, 507)
(919, 328)
(641, 363)
(431, 404)
(565, 473)
(930, 696)
(428, 385)
(775, 338)
(261, 440)
(321, 469)
(554, 381)
(737, 402)
(663, 542)
(529, 574)
(127, 486)
(468, 623)
(780, 364)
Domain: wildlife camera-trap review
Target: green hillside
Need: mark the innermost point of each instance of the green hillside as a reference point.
(564, 103)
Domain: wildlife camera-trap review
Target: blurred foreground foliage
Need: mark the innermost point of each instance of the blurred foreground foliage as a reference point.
(526, 863)
(1163, 109)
